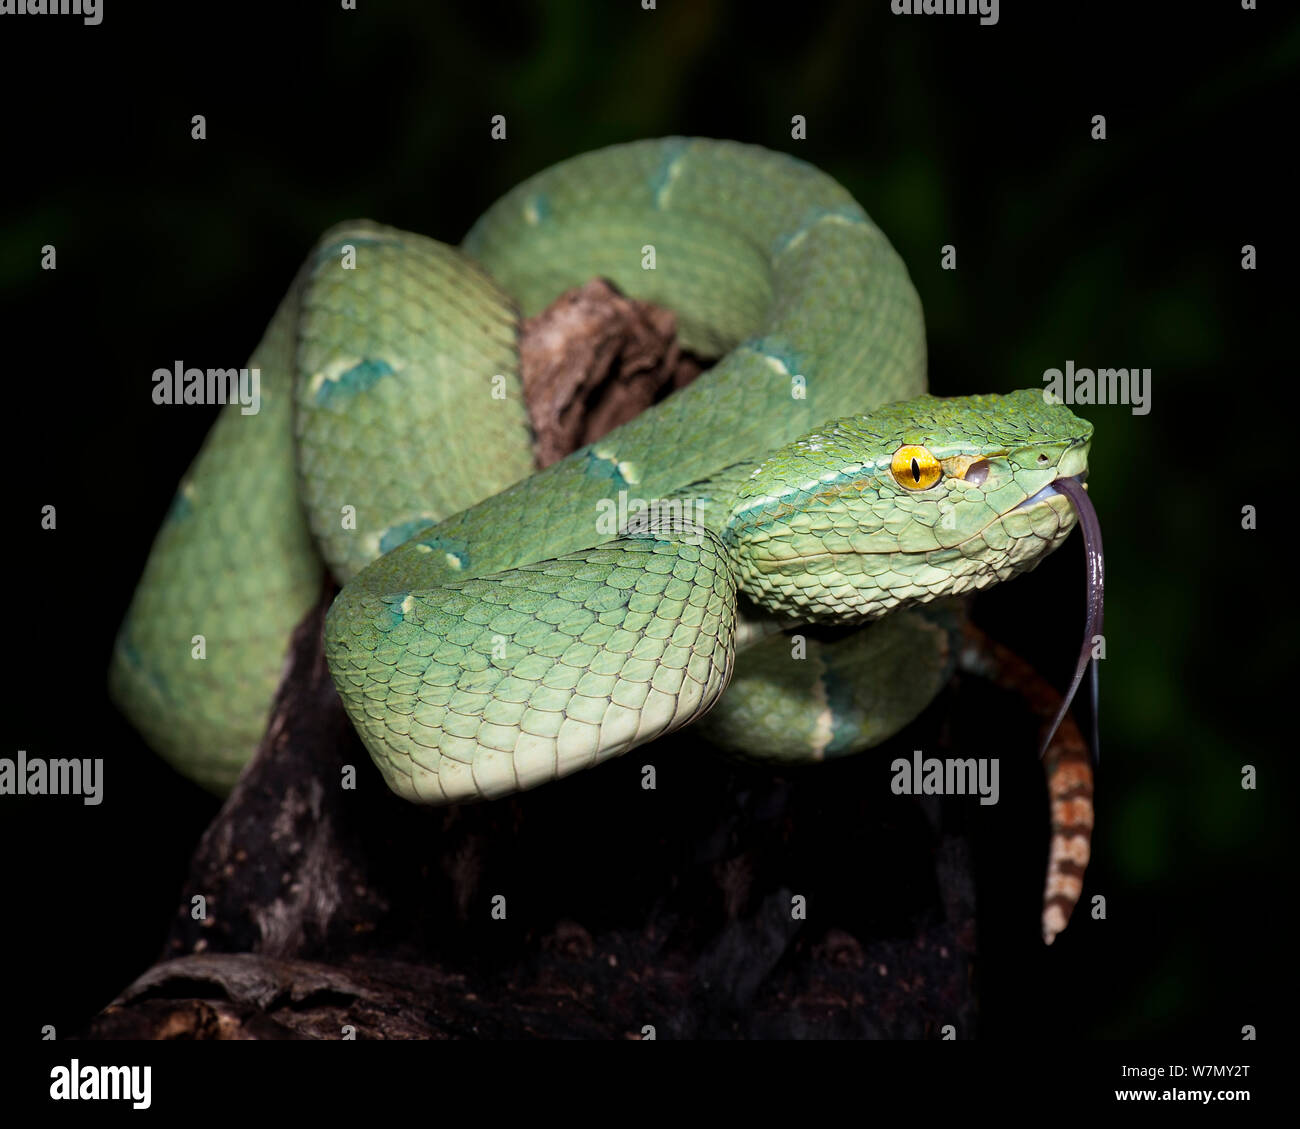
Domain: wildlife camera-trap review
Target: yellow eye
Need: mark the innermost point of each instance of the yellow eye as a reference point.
(914, 468)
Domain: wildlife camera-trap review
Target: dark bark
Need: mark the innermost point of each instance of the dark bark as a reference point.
(595, 359)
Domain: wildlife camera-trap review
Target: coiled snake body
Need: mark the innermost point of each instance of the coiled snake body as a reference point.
(489, 635)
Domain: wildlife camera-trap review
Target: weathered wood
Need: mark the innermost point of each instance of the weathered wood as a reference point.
(595, 359)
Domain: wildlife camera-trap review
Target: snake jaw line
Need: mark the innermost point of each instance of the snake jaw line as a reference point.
(1051, 490)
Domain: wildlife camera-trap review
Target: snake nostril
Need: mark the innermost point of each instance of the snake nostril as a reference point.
(1042, 459)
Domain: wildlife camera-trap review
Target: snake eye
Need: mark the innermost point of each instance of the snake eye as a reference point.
(914, 468)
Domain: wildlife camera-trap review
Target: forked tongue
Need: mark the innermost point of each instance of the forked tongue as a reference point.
(1089, 526)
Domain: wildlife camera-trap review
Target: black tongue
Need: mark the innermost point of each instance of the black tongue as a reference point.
(1090, 527)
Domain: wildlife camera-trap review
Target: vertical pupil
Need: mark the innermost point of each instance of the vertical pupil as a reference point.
(916, 471)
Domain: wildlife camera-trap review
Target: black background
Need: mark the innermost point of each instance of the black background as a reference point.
(1124, 252)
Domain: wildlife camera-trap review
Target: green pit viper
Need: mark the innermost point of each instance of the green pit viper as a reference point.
(490, 634)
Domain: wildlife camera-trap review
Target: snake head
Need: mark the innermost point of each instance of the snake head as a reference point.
(918, 500)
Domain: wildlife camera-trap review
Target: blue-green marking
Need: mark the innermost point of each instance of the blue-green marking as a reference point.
(847, 213)
(455, 549)
(661, 179)
(778, 350)
(402, 532)
(601, 466)
(393, 602)
(846, 718)
(537, 208)
(365, 374)
(181, 507)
